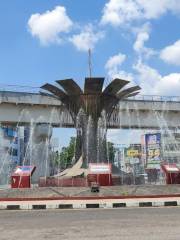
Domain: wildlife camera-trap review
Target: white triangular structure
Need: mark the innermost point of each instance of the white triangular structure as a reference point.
(74, 171)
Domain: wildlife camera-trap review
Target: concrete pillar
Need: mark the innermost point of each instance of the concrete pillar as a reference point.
(40, 151)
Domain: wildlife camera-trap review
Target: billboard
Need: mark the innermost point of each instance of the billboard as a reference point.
(153, 150)
(133, 154)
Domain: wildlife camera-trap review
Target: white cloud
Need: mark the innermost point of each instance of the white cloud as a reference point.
(120, 12)
(86, 39)
(139, 45)
(171, 54)
(115, 61)
(152, 82)
(146, 73)
(49, 26)
(155, 8)
(142, 37)
(169, 85)
(149, 79)
(123, 75)
(113, 66)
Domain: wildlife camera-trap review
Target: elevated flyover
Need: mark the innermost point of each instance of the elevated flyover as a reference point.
(150, 112)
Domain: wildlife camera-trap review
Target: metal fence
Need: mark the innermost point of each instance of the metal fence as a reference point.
(155, 98)
(18, 88)
(36, 89)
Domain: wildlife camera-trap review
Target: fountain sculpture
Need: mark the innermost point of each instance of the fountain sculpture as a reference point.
(91, 110)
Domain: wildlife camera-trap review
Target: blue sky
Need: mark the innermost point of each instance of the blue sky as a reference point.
(42, 41)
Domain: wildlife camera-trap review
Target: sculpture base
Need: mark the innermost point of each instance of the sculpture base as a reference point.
(103, 180)
(63, 182)
(77, 176)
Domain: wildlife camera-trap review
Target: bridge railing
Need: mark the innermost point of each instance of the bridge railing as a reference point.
(18, 88)
(139, 97)
(155, 98)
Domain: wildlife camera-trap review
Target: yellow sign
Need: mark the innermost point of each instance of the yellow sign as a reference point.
(153, 152)
(132, 153)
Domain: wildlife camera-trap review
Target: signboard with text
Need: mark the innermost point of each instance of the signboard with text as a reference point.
(153, 150)
(100, 168)
(133, 154)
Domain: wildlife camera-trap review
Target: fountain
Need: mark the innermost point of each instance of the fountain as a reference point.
(40, 150)
(91, 110)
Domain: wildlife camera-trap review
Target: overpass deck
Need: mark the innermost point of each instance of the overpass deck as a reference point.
(139, 112)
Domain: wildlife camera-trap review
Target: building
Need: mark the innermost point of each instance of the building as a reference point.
(171, 147)
(8, 152)
(13, 144)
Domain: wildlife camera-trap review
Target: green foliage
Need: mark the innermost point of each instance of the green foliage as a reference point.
(64, 158)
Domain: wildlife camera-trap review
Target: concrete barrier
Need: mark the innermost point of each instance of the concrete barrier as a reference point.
(35, 204)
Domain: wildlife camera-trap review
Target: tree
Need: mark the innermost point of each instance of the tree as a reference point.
(64, 158)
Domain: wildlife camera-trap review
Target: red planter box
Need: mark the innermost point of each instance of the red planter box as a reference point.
(172, 172)
(21, 178)
(101, 179)
(20, 181)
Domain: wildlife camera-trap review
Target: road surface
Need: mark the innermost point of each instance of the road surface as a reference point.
(106, 224)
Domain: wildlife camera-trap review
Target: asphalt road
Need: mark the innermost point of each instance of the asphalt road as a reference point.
(111, 224)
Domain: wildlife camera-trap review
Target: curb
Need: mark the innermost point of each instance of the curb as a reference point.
(108, 203)
(109, 197)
